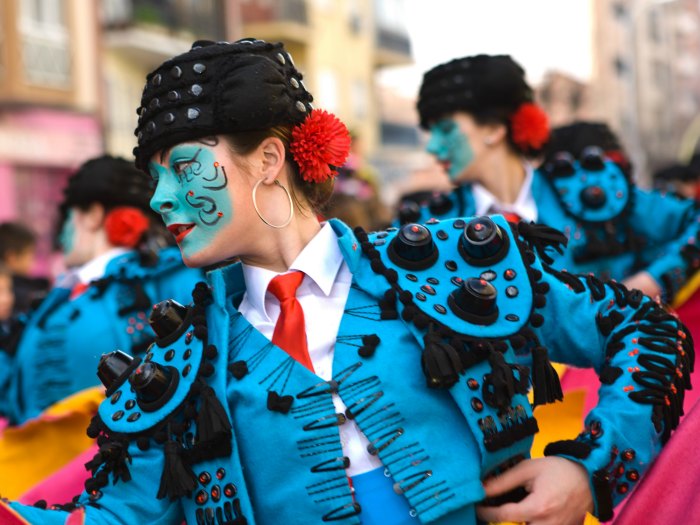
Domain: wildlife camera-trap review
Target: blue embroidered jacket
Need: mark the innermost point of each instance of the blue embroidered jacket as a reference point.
(614, 228)
(59, 348)
(218, 425)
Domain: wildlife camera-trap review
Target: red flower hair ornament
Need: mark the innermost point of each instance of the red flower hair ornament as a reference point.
(529, 126)
(125, 225)
(319, 145)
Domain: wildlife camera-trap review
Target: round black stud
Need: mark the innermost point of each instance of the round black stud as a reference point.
(428, 289)
(409, 212)
(628, 455)
(433, 280)
(379, 242)
(421, 296)
(483, 243)
(186, 370)
(440, 309)
(459, 224)
(442, 235)
(475, 302)
(167, 317)
(593, 197)
(169, 118)
(592, 158)
(561, 165)
(230, 490)
(154, 103)
(512, 291)
(382, 235)
(173, 96)
(176, 72)
(202, 497)
(113, 366)
(204, 478)
(472, 383)
(477, 404)
(156, 80)
(130, 404)
(509, 274)
(199, 68)
(187, 353)
(151, 127)
(117, 415)
(411, 277)
(169, 355)
(192, 113)
(215, 493)
(220, 473)
(413, 248)
(151, 381)
(451, 266)
(512, 318)
(457, 281)
(440, 204)
(133, 417)
(115, 397)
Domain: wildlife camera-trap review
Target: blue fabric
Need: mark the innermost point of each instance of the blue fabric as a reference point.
(381, 505)
(654, 245)
(436, 444)
(61, 345)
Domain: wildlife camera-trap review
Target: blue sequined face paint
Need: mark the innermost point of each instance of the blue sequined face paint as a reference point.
(450, 146)
(192, 196)
(67, 236)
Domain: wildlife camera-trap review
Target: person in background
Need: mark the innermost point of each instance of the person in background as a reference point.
(680, 179)
(10, 326)
(340, 376)
(101, 303)
(17, 251)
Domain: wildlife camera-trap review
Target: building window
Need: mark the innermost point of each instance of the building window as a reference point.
(45, 43)
(359, 99)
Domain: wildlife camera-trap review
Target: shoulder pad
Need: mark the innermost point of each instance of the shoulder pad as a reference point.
(129, 266)
(591, 192)
(437, 205)
(468, 274)
(149, 391)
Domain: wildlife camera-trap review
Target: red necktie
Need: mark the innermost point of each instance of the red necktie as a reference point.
(290, 330)
(511, 216)
(78, 290)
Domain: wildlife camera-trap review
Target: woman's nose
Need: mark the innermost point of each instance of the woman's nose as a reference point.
(163, 199)
(433, 146)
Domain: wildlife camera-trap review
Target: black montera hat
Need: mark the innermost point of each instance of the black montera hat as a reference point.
(576, 137)
(219, 88)
(488, 85)
(110, 181)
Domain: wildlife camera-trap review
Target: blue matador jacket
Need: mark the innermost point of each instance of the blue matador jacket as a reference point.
(614, 228)
(63, 340)
(218, 426)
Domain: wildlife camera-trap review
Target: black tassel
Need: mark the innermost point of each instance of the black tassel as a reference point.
(500, 385)
(177, 479)
(545, 381)
(213, 425)
(440, 362)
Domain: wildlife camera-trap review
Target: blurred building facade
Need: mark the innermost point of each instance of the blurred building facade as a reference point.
(50, 106)
(646, 78)
(564, 98)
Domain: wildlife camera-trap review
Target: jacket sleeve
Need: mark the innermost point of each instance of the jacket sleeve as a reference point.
(671, 226)
(643, 356)
(120, 501)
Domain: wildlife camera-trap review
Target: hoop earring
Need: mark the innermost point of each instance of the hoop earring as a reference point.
(257, 210)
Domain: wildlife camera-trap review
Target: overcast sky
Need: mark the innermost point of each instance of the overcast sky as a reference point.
(539, 34)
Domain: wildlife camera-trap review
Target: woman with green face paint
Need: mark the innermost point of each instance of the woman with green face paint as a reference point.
(328, 375)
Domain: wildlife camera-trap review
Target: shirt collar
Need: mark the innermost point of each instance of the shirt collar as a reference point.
(320, 260)
(97, 267)
(524, 204)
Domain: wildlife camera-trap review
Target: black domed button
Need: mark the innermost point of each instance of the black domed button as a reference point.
(592, 158)
(409, 211)
(151, 381)
(413, 248)
(112, 366)
(166, 317)
(561, 165)
(593, 197)
(483, 243)
(440, 204)
(475, 301)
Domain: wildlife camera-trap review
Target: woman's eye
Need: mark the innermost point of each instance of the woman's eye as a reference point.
(180, 167)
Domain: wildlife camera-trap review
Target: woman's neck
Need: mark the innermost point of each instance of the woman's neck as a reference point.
(503, 177)
(277, 249)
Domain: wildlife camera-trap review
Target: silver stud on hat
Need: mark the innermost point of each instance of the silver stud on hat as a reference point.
(192, 113)
(173, 96)
(195, 90)
(300, 106)
(294, 82)
(281, 59)
(199, 68)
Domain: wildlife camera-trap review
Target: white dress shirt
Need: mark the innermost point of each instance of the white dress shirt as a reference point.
(322, 295)
(524, 205)
(91, 270)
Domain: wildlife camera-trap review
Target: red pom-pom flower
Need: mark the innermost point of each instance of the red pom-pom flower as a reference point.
(125, 226)
(319, 145)
(529, 126)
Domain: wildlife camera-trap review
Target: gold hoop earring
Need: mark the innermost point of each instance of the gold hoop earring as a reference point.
(257, 210)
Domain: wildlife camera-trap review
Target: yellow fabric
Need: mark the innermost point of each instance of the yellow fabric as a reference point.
(687, 291)
(38, 448)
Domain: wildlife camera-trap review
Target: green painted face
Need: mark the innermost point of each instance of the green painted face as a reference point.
(67, 236)
(450, 146)
(192, 196)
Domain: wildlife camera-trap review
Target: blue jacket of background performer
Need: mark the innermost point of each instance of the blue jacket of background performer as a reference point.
(61, 344)
(218, 425)
(614, 228)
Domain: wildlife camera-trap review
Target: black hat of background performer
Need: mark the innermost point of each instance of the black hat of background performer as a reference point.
(110, 181)
(576, 137)
(219, 88)
(676, 172)
(492, 86)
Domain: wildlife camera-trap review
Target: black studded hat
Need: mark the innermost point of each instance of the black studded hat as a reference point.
(488, 86)
(219, 88)
(574, 138)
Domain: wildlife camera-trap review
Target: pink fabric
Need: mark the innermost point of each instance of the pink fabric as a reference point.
(63, 484)
(582, 379)
(668, 493)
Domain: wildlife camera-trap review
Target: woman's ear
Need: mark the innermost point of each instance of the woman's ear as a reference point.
(273, 158)
(494, 134)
